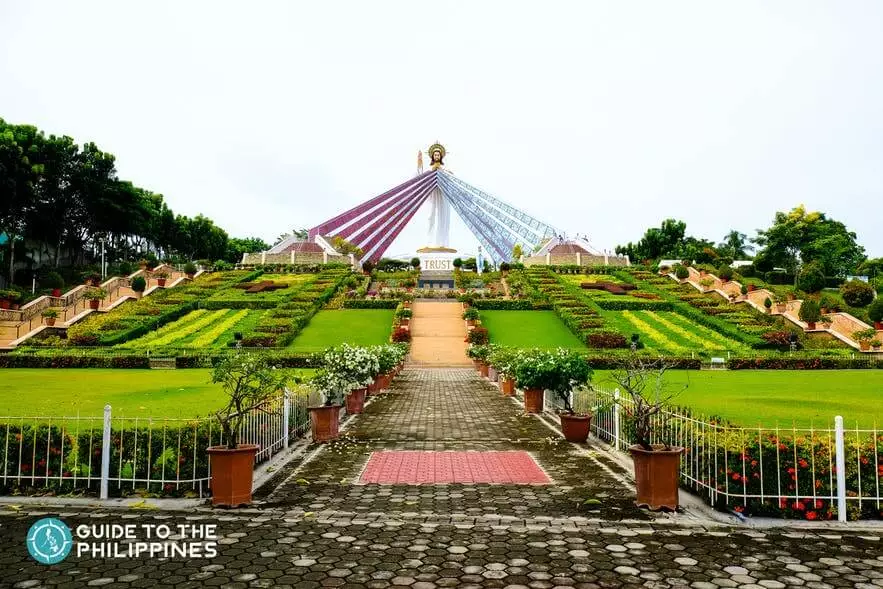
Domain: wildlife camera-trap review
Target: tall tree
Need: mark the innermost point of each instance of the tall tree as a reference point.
(736, 245)
(801, 236)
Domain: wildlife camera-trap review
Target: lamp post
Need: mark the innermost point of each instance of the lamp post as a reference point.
(103, 265)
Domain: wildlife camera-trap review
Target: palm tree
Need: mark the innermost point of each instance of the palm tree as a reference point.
(300, 234)
(736, 244)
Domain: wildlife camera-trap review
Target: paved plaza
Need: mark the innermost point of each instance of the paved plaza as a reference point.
(316, 524)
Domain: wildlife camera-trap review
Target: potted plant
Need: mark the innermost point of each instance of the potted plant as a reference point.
(404, 316)
(751, 287)
(657, 465)
(249, 382)
(8, 298)
(138, 285)
(161, 277)
(50, 315)
(768, 304)
(344, 370)
(864, 338)
(470, 315)
(875, 313)
(536, 371)
(190, 270)
(571, 370)
(725, 273)
(682, 273)
(876, 345)
(480, 354)
(94, 295)
(54, 281)
(504, 360)
(706, 283)
(92, 278)
(809, 313)
(744, 290)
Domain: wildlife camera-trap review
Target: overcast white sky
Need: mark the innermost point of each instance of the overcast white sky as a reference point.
(599, 118)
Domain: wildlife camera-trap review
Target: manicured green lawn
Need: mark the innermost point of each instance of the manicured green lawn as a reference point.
(529, 329)
(361, 327)
(786, 397)
(26, 392)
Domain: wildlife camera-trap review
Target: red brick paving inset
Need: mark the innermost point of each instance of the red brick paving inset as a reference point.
(414, 467)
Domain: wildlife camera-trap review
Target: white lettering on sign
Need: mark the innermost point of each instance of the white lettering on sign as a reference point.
(437, 264)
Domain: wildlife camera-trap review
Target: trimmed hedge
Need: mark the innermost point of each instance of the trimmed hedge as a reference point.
(632, 305)
(829, 363)
(371, 304)
(510, 305)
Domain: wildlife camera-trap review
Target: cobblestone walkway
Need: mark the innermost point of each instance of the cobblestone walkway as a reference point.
(315, 527)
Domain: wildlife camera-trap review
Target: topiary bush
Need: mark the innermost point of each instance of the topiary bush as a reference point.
(809, 311)
(875, 310)
(811, 278)
(725, 273)
(857, 293)
(139, 284)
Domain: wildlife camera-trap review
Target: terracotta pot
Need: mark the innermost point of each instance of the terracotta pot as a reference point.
(190, 275)
(791, 297)
(656, 476)
(355, 401)
(4, 304)
(325, 422)
(878, 325)
(94, 303)
(533, 400)
(470, 322)
(56, 292)
(50, 321)
(373, 388)
(864, 346)
(810, 325)
(232, 474)
(507, 387)
(16, 306)
(575, 427)
(483, 369)
(161, 281)
(751, 288)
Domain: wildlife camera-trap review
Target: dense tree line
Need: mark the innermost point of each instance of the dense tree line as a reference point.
(69, 199)
(795, 240)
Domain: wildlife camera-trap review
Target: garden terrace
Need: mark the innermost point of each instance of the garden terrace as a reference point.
(358, 327)
(136, 318)
(529, 329)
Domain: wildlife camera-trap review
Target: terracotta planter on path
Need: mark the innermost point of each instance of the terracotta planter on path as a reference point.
(355, 401)
(656, 476)
(533, 400)
(232, 474)
(507, 387)
(325, 422)
(575, 427)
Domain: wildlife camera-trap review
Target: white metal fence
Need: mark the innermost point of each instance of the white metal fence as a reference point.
(116, 454)
(807, 473)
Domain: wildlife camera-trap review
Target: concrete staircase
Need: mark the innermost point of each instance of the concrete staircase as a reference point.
(20, 325)
(839, 325)
(438, 334)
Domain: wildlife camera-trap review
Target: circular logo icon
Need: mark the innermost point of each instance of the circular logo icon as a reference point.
(49, 540)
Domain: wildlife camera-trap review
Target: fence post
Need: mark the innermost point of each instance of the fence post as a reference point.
(616, 418)
(105, 453)
(841, 468)
(286, 411)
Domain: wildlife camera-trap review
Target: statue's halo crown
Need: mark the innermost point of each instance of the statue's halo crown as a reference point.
(436, 147)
